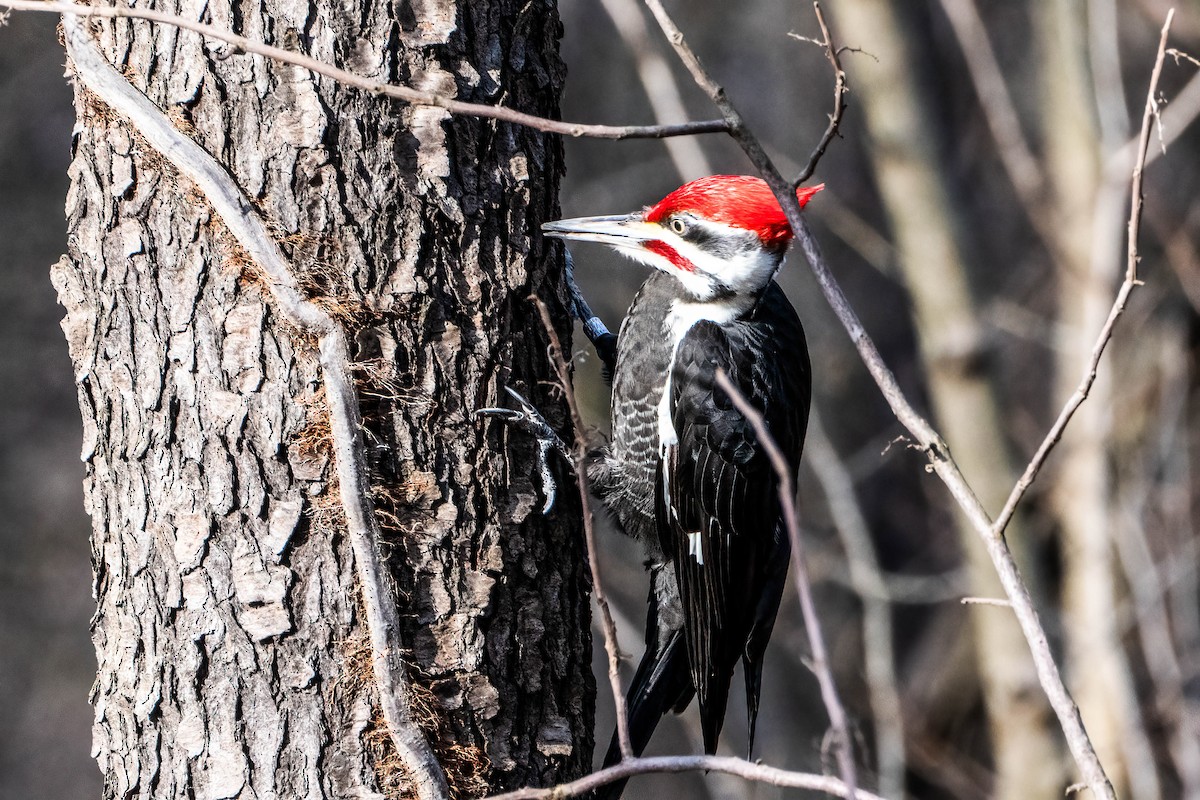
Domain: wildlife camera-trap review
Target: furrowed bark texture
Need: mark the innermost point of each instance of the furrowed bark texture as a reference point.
(231, 658)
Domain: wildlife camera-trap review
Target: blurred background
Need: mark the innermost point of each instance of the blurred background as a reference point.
(47, 663)
(975, 213)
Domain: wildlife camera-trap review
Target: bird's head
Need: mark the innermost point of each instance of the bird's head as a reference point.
(719, 236)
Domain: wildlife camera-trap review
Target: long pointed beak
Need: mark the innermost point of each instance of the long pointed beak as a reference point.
(623, 230)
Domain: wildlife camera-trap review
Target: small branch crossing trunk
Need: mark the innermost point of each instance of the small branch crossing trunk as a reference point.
(232, 659)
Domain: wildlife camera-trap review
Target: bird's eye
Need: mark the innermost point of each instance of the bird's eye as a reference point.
(678, 225)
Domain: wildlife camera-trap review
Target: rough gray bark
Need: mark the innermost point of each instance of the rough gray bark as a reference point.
(231, 660)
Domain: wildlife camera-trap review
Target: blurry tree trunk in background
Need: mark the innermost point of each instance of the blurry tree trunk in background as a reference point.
(232, 658)
(1097, 670)
(1028, 756)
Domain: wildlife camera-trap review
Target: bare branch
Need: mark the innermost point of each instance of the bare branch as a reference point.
(812, 622)
(606, 621)
(1118, 306)
(239, 217)
(1179, 54)
(936, 450)
(396, 92)
(736, 125)
(839, 96)
(732, 766)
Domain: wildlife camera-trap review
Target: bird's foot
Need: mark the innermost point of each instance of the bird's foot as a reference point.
(529, 419)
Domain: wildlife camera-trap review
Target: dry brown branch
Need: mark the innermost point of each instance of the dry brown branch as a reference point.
(833, 53)
(394, 91)
(607, 625)
(808, 609)
(1118, 306)
(927, 438)
(731, 766)
(239, 216)
(1179, 54)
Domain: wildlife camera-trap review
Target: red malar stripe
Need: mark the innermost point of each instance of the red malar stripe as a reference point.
(670, 254)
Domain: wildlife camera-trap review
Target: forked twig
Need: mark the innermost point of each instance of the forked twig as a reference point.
(239, 216)
(808, 609)
(833, 53)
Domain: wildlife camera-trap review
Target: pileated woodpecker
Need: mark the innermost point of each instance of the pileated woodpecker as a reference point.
(684, 472)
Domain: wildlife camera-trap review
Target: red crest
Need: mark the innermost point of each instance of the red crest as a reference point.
(740, 201)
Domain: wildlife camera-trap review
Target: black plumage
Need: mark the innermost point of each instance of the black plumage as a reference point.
(714, 490)
(717, 507)
(685, 473)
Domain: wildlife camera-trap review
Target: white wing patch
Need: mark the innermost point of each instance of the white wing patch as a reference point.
(696, 547)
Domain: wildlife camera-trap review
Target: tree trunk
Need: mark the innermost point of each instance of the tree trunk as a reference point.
(232, 657)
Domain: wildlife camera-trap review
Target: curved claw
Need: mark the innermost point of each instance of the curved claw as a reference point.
(530, 420)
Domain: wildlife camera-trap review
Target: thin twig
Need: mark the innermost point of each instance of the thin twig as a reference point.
(394, 91)
(606, 621)
(1118, 306)
(1178, 54)
(936, 450)
(228, 202)
(732, 766)
(1172, 121)
(808, 609)
(839, 97)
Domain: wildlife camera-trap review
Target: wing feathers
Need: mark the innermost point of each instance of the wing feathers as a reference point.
(722, 486)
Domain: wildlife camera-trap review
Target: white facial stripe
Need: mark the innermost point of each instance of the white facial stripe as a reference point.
(744, 267)
(696, 283)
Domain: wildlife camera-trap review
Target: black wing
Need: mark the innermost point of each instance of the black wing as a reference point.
(717, 500)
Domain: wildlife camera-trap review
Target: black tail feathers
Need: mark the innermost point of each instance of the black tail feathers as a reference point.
(662, 683)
